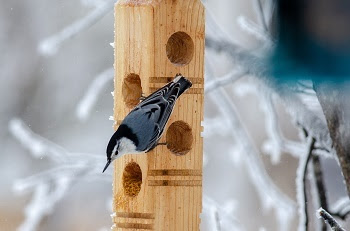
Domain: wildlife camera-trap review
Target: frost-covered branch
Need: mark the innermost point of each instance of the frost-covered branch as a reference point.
(261, 14)
(334, 99)
(255, 30)
(255, 64)
(86, 104)
(228, 78)
(49, 46)
(320, 188)
(301, 186)
(220, 217)
(269, 193)
(319, 181)
(341, 208)
(299, 111)
(321, 213)
(37, 146)
(50, 186)
(276, 142)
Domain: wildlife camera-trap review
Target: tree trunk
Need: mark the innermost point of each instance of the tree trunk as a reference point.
(335, 103)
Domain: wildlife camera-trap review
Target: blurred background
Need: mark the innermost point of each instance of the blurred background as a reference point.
(56, 81)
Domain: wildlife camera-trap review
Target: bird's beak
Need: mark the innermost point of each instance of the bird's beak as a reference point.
(108, 163)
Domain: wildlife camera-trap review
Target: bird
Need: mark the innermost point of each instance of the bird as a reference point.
(142, 128)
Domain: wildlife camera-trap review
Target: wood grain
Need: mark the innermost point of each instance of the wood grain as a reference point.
(170, 197)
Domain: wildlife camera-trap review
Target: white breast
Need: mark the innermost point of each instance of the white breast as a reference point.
(126, 146)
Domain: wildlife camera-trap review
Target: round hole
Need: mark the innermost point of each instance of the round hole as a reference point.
(132, 90)
(179, 48)
(132, 179)
(179, 138)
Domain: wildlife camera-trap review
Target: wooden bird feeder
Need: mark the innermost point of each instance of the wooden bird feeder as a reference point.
(155, 40)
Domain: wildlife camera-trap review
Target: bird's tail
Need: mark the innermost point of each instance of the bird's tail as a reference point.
(183, 83)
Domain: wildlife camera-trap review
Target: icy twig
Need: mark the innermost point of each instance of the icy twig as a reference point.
(319, 181)
(228, 78)
(255, 64)
(276, 142)
(49, 46)
(341, 208)
(301, 186)
(319, 186)
(38, 146)
(321, 213)
(43, 202)
(269, 193)
(300, 113)
(88, 101)
(255, 30)
(220, 217)
(50, 186)
(261, 15)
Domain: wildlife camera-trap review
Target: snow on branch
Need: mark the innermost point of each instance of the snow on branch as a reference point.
(37, 146)
(301, 185)
(220, 218)
(269, 194)
(323, 214)
(259, 9)
(341, 208)
(276, 142)
(254, 64)
(255, 30)
(86, 104)
(49, 46)
(300, 113)
(50, 186)
(43, 201)
(230, 77)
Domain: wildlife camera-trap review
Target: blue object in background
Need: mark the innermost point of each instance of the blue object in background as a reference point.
(313, 40)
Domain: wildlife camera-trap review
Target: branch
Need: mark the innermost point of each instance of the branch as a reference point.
(341, 208)
(49, 187)
(321, 192)
(255, 30)
(319, 181)
(270, 195)
(301, 189)
(228, 78)
(321, 213)
(88, 101)
(50, 45)
(334, 99)
(38, 146)
(220, 217)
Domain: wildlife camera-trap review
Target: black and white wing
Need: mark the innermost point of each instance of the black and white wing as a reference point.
(155, 110)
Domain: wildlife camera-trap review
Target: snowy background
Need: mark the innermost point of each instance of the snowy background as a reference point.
(55, 91)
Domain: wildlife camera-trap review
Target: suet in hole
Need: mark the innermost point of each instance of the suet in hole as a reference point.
(179, 138)
(132, 90)
(132, 179)
(180, 48)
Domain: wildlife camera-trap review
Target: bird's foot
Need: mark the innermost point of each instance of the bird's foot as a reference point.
(142, 97)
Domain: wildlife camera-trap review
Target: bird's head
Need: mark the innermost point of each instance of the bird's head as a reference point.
(112, 152)
(122, 142)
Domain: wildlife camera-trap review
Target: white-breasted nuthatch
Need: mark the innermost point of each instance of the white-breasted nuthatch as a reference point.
(142, 128)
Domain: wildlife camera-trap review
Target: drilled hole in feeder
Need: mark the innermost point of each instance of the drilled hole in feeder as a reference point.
(132, 90)
(132, 179)
(179, 138)
(180, 48)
